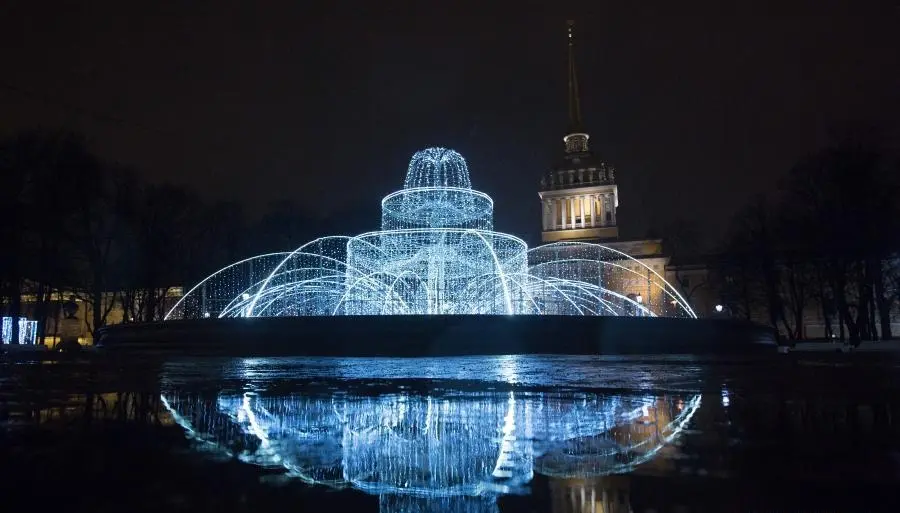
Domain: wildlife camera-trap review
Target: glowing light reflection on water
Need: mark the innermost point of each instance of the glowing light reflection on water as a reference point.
(439, 442)
(668, 374)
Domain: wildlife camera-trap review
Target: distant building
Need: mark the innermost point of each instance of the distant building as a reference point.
(579, 201)
(714, 286)
(113, 304)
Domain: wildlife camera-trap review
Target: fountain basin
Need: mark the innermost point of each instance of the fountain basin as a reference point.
(440, 335)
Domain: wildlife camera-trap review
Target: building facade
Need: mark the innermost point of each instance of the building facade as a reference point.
(116, 307)
(579, 201)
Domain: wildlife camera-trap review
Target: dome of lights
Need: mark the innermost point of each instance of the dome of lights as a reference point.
(436, 254)
(437, 193)
(437, 167)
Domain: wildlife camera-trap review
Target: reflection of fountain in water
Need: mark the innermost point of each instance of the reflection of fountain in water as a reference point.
(456, 451)
(395, 503)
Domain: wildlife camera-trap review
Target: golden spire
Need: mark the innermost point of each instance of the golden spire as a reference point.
(574, 100)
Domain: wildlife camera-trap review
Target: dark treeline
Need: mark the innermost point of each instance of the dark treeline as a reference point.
(825, 241)
(73, 223)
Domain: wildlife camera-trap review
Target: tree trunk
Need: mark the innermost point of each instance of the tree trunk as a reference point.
(839, 280)
(825, 303)
(873, 328)
(842, 335)
(770, 282)
(829, 330)
(15, 308)
(862, 319)
(773, 300)
(42, 295)
(97, 302)
(150, 305)
(862, 314)
(798, 299)
(883, 303)
(57, 308)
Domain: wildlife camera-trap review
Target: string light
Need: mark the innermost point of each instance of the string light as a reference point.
(436, 253)
(435, 445)
(27, 331)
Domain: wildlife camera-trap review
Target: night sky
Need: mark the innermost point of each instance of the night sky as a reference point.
(698, 106)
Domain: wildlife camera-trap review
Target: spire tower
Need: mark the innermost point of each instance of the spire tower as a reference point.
(576, 139)
(579, 195)
(574, 99)
(580, 201)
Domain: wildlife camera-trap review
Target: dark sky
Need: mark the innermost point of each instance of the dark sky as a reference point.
(698, 106)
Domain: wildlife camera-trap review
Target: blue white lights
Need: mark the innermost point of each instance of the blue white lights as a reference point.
(27, 331)
(436, 253)
(441, 446)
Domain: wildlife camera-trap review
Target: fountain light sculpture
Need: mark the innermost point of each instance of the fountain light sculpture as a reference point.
(436, 253)
(444, 450)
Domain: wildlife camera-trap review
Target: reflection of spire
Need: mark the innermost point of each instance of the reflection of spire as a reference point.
(609, 494)
(574, 99)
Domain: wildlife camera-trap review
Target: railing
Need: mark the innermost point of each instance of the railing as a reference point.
(587, 226)
(566, 180)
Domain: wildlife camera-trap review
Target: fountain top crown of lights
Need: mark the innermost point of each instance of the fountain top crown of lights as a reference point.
(437, 167)
(437, 193)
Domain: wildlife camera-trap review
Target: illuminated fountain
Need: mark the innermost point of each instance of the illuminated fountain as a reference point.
(436, 254)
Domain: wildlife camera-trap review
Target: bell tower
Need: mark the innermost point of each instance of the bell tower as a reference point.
(579, 195)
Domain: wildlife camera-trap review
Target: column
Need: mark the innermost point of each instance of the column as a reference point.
(612, 208)
(553, 221)
(572, 210)
(593, 210)
(544, 215)
(601, 207)
(563, 209)
(583, 199)
(602, 213)
(549, 214)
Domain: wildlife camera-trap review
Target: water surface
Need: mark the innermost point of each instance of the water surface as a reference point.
(474, 434)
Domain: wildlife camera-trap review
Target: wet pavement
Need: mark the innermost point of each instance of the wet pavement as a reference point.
(800, 432)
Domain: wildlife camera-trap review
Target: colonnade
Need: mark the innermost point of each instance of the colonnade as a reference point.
(582, 177)
(579, 211)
